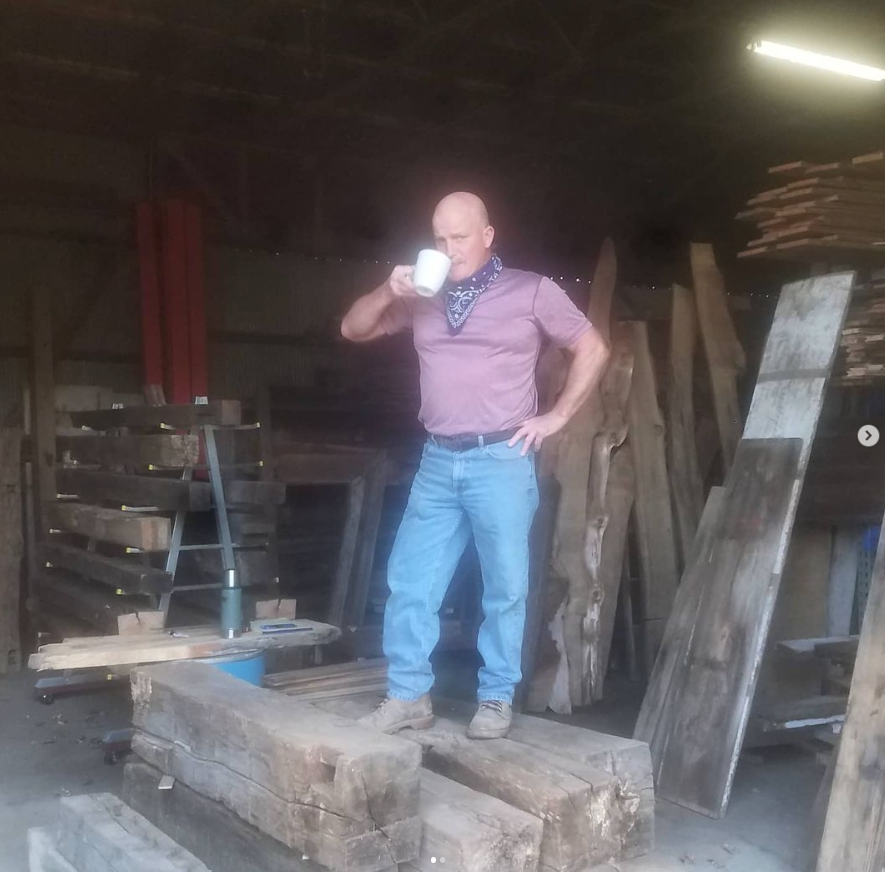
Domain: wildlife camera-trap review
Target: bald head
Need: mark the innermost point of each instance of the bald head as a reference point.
(462, 231)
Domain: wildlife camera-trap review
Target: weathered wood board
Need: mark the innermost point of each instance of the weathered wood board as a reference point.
(139, 451)
(43, 853)
(609, 502)
(345, 796)
(209, 830)
(147, 532)
(572, 470)
(608, 563)
(843, 579)
(854, 833)
(100, 833)
(188, 643)
(656, 533)
(695, 711)
(468, 831)
(592, 811)
(127, 575)
(218, 412)
(682, 456)
(135, 490)
(11, 549)
(57, 589)
(725, 356)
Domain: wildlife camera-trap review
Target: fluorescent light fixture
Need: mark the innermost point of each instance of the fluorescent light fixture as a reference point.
(813, 59)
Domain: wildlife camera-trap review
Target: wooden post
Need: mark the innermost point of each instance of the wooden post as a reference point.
(42, 404)
(725, 356)
(682, 455)
(854, 836)
(10, 549)
(654, 514)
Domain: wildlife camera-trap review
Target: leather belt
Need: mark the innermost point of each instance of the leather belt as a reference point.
(465, 443)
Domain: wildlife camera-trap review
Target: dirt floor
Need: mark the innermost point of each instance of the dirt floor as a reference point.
(52, 751)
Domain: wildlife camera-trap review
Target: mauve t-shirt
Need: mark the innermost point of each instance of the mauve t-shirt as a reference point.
(482, 380)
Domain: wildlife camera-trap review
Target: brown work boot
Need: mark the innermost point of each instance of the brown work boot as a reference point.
(491, 721)
(392, 715)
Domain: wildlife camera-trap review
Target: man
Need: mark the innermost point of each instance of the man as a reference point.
(478, 342)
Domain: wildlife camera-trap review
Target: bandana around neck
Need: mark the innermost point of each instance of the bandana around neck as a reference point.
(461, 296)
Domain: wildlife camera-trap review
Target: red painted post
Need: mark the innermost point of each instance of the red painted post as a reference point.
(196, 299)
(175, 301)
(149, 281)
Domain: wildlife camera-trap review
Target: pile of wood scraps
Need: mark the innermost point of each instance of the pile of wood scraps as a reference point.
(820, 210)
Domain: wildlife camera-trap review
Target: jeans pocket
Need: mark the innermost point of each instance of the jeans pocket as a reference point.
(502, 451)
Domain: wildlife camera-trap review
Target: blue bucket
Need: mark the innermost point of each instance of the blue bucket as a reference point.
(249, 664)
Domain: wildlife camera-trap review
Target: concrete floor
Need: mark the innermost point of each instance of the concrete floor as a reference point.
(51, 751)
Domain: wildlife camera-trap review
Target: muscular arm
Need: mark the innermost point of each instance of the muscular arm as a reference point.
(365, 319)
(588, 357)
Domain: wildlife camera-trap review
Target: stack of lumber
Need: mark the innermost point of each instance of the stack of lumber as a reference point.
(106, 555)
(820, 210)
(327, 682)
(591, 795)
(343, 797)
(99, 833)
(862, 348)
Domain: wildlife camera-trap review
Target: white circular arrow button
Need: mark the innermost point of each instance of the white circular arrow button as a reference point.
(868, 435)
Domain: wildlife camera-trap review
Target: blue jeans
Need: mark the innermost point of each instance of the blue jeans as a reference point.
(493, 492)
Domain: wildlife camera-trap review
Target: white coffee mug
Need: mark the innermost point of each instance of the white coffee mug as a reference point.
(431, 270)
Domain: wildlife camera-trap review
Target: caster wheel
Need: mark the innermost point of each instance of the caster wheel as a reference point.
(111, 758)
(47, 699)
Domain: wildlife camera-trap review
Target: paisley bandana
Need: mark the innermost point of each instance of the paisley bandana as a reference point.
(461, 296)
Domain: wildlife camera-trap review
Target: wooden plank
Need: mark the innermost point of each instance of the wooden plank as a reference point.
(127, 575)
(11, 549)
(473, 832)
(181, 416)
(620, 496)
(806, 649)
(90, 603)
(800, 714)
(189, 643)
(348, 798)
(682, 456)
(147, 532)
(99, 833)
(843, 579)
(278, 680)
(627, 760)
(356, 494)
(854, 834)
(653, 507)
(725, 356)
(254, 493)
(605, 537)
(209, 830)
(135, 490)
(800, 611)
(572, 471)
(713, 641)
(141, 621)
(139, 451)
(320, 468)
(708, 677)
(42, 399)
(43, 853)
(367, 539)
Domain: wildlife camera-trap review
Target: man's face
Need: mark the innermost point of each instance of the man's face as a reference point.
(464, 237)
